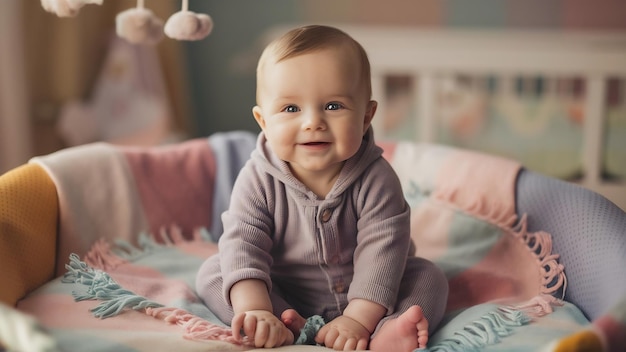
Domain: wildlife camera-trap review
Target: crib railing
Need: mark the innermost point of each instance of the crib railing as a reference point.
(430, 57)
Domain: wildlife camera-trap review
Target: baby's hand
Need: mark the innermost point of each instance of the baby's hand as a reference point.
(343, 334)
(265, 329)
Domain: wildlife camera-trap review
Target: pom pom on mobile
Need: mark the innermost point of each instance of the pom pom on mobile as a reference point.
(140, 25)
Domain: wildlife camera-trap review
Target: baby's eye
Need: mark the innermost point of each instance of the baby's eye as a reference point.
(291, 108)
(333, 106)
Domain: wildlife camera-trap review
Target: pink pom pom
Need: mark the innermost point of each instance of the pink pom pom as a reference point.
(188, 25)
(66, 8)
(139, 26)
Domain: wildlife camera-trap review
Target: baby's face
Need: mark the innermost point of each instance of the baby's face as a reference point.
(313, 109)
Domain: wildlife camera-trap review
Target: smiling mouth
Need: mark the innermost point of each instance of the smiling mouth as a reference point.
(315, 146)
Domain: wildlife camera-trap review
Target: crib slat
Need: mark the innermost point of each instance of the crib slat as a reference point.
(593, 129)
(425, 96)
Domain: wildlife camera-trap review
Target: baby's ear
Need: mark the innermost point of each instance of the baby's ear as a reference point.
(369, 114)
(257, 112)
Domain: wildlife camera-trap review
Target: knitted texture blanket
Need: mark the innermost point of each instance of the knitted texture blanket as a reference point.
(505, 282)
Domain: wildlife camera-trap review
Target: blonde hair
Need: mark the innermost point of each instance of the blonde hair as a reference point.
(306, 39)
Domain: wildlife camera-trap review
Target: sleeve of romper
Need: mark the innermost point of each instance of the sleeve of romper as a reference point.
(245, 245)
(383, 238)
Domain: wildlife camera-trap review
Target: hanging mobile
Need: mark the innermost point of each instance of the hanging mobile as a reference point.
(188, 25)
(139, 25)
(66, 8)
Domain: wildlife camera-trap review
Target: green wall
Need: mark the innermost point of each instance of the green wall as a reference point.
(222, 65)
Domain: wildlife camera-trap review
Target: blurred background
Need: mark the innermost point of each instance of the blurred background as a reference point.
(70, 81)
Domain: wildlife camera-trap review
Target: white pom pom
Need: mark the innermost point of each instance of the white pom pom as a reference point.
(188, 25)
(66, 8)
(139, 26)
(81, 3)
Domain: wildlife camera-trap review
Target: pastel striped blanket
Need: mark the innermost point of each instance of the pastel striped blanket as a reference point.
(110, 192)
(136, 224)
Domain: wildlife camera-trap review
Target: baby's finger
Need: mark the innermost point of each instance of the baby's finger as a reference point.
(237, 324)
(277, 336)
(321, 335)
(282, 336)
(330, 338)
(249, 325)
(261, 335)
(288, 337)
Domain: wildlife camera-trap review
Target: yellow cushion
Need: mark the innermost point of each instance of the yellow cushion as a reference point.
(28, 231)
(584, 341)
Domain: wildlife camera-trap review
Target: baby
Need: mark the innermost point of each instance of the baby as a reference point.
(318, 223)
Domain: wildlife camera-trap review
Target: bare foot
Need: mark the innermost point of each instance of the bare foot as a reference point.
(404, 333)
(293, 321)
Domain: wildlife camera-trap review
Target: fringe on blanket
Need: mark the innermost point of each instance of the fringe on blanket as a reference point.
(501, 322)
(100, 286)
(487, 330)
(106, 257)
(539, 244)
(495, 325)
(553, 279)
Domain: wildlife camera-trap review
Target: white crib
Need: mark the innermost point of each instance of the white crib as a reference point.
(423, 79)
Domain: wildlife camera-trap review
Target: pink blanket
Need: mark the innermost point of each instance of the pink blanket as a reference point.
(503, 279)
(118, 192)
